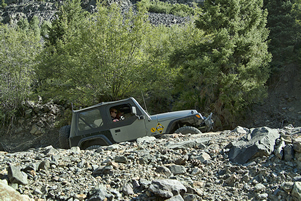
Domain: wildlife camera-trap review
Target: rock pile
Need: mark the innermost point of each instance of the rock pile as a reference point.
(173, 167)
(35, 128)
(46, 10)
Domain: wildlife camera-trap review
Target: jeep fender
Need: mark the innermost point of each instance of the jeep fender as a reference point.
(188, 121)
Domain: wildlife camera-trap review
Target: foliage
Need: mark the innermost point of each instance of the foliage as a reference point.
(176, 9)
(296, 13)
(112, 56)
(284, 31)
(102, 61)
(69, 18)
(45, 27)
(3, 5)
(18, 49)
(23, 24)
(34, 26)
(228, 69)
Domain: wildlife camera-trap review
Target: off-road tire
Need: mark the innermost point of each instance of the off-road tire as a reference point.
(188, 129)
(64, 134)
(93, 147)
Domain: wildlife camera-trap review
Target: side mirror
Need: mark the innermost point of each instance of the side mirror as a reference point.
(134, 111)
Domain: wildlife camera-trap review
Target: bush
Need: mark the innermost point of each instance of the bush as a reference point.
(181, 10)
(18, 49)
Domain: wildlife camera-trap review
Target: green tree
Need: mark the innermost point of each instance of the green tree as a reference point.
(160, 44)
(34, 26)
(102, 61)
(18, 49)
(296, 12)
(69, 19)
(23, 24)
(113, 56)
(3, 5)
(284, 31)
(227, 71)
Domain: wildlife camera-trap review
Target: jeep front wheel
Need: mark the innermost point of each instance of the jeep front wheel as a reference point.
(64, 134)
(188, 129)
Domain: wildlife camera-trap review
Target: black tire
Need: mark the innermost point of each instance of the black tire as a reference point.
(188, 129)
(64, 134)
(93, 147)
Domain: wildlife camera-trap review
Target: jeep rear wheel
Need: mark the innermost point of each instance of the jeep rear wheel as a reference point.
(64, 134)
(188, 129)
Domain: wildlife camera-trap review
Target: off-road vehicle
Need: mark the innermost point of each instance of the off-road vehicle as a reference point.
(93, 126)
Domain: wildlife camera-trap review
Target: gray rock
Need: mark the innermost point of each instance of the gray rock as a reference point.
(175, 198)
(287, 186)
(120, 159)
(259, 187)
(296, 192)
(167, 188)
(113, 147)
(297, 178)
(279, 150)
(262, 196)
(177, 169)
(297, 144)
(203, 156)
(128, 189)
(241, 130)
(145, 183)
(44, 165)
(182, 145)
(259, 142)
(15, 175)
(288, 152)
(145, 140)
(75, 150)
(182, 160)
(164, 170)
(7, 193)
(191, 197)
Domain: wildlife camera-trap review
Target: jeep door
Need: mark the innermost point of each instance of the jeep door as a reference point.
(130, 126)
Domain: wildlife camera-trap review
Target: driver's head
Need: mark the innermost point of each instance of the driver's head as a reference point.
(113, 112)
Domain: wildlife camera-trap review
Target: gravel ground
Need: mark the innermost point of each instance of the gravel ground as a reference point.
(173, 167)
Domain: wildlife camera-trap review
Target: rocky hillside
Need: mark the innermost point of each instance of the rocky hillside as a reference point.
(46, 10)
(242, 164)
(259, 161)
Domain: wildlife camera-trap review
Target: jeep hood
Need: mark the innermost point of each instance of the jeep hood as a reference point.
(173, 115)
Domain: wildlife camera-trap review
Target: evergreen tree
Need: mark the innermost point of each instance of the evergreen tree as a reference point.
(68, 19)
(34, 26)
(284, 31)
(227, 71)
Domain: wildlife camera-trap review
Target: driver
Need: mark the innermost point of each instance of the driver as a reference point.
(114, 113)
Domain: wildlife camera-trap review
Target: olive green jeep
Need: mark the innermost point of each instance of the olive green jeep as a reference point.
(93, 126)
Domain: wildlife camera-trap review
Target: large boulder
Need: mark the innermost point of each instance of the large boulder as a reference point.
(257, 143)
(9, 194)
(167, 188)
